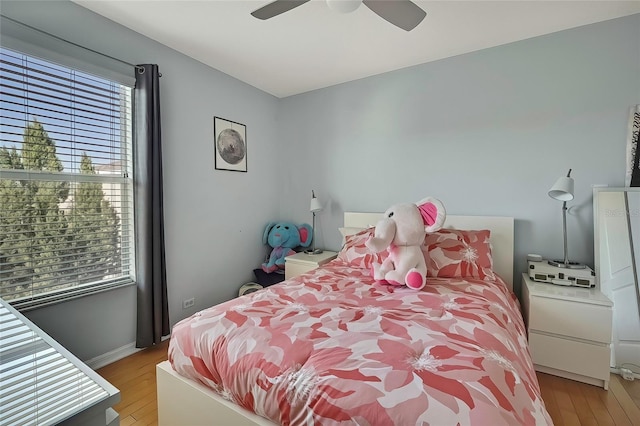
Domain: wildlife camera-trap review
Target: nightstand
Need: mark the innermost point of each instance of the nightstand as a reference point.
(300, 263)
(569, 331)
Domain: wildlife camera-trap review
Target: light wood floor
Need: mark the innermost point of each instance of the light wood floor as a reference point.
(135, 376)
(568, 402)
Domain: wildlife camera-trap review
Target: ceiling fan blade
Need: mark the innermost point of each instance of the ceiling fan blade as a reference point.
(275, 8)
(401, 13)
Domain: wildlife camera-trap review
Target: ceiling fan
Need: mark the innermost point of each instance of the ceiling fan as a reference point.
(404, 14)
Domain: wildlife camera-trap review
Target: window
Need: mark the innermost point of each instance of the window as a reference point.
(66, 188)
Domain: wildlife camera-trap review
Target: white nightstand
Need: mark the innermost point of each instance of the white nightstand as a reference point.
(300, 263)
(569, 331)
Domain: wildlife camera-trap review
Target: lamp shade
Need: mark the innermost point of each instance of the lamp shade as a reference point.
(343, 6)
(315, 205)
(563, 189)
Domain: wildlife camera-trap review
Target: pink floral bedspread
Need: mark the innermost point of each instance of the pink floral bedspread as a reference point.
(330, 347)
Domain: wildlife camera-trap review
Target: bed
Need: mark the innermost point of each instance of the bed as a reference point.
(333, 347)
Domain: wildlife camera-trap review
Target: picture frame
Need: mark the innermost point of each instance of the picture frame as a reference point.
(229, 145)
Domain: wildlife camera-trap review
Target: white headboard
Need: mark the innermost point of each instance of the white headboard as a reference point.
(501, 235)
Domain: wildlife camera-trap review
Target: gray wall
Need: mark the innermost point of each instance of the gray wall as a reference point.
(487, 132)
(213, 234)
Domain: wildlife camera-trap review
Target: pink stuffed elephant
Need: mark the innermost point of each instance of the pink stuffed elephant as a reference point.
(402, 231)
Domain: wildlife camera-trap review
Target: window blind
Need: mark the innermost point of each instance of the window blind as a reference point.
(40, 382)
(34, 42)
(66, 189)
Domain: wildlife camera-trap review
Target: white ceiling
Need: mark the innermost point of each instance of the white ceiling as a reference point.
(312, 47)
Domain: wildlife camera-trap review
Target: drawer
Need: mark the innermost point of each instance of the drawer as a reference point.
(569, 355)
(574, 319)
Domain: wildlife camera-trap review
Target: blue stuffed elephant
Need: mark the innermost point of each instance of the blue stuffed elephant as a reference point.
(284, 237)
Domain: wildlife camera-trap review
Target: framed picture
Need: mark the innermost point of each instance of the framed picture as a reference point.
(230, 145)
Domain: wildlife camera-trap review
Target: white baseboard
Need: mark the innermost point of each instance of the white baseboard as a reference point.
(115, 355)
(112, 356)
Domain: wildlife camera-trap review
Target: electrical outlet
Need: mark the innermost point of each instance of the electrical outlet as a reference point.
(626, 374)
(187, 303)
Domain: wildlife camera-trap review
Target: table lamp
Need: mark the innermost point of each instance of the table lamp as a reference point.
(562, 190)
(314, 207)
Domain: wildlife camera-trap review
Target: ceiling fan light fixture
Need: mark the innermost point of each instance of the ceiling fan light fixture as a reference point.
(404, 14)
(343, 6)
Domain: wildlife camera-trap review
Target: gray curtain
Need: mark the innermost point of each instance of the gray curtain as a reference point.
(633, 151)
(153, 311)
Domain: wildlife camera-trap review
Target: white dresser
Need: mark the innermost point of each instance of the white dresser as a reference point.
(569, 331)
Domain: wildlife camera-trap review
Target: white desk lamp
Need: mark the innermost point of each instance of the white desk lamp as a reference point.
(563, 191)
(314, 207)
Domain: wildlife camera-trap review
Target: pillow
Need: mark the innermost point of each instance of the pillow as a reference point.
(345, 232)
(356, 254)
(458, 253)
(352, 230)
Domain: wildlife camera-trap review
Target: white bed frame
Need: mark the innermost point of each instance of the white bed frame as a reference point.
(183, 402)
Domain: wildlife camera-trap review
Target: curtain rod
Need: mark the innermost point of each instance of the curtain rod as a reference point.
(137, 67)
